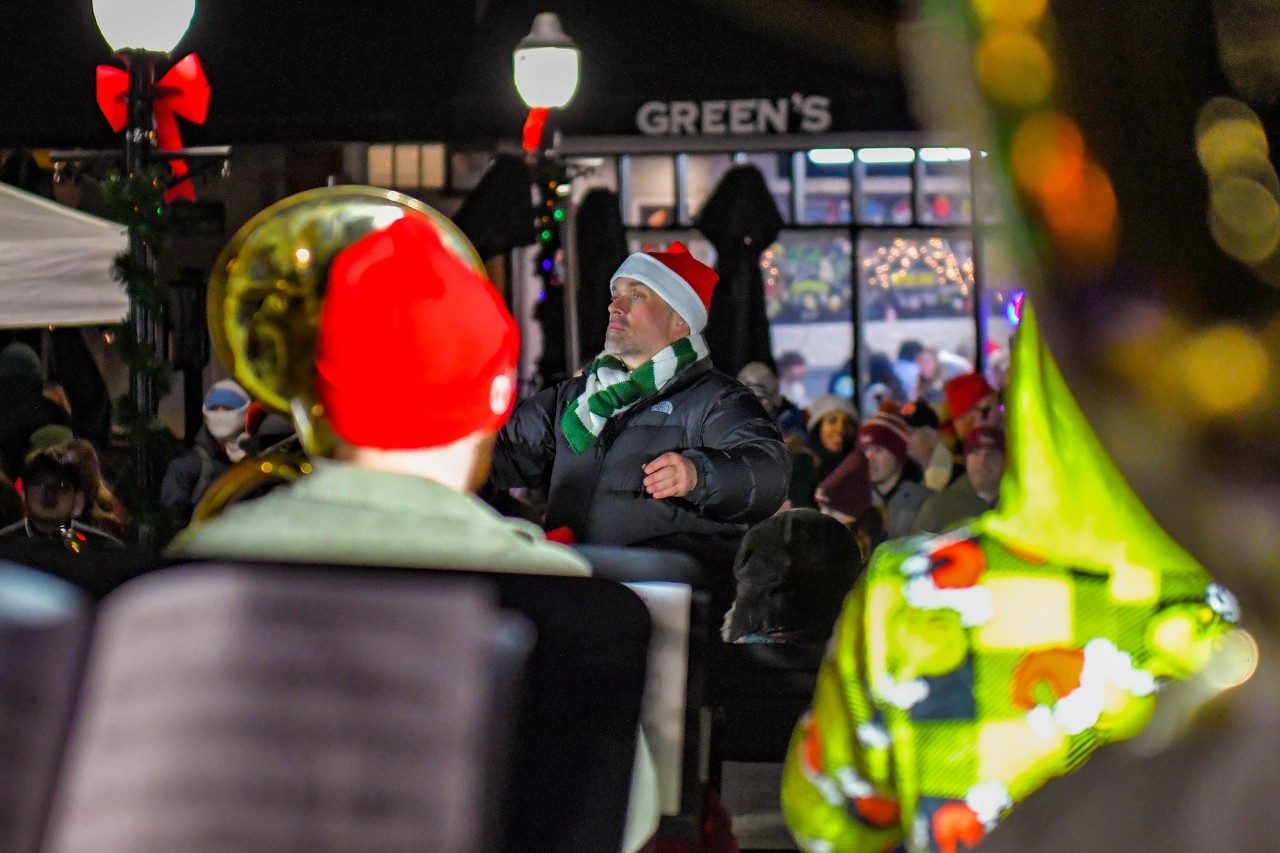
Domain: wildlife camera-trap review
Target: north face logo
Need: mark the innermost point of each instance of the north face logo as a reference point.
(665, 407)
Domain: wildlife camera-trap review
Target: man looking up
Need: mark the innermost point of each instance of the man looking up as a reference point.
(652, 446)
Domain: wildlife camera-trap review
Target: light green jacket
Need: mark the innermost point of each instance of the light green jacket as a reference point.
(347, 515)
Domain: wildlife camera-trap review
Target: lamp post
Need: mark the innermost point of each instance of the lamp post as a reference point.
(141, 33)
(546, 67)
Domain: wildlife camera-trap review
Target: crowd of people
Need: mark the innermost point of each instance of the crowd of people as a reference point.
(790, 509)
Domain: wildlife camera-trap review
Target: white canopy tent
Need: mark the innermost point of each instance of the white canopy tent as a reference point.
(55, 264)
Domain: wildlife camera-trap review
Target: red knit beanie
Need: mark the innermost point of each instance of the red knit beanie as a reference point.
(887, 430)
(964, 392)
(847, 489)
(415, 348)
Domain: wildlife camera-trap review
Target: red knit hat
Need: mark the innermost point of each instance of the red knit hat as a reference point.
(684, 282)
(964, 392)
(847, 489)
(415, 348)
(887, 430)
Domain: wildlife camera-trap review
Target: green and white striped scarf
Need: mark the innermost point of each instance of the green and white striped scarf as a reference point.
(612, 389)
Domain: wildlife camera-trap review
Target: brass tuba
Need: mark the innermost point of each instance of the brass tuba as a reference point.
(265, 296)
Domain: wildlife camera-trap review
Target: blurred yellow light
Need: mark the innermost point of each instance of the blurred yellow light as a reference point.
(1234, 661)
(1228, 140)
(1244, 218)
(1015, 13)
(1047, 153)
(1014, 69)
(1224, 368)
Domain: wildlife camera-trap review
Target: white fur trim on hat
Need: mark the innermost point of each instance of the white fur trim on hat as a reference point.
(665, 282)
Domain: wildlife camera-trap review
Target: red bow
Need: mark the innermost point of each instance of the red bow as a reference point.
(182, 91)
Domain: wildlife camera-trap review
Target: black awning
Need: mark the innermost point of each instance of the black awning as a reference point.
(380, 70)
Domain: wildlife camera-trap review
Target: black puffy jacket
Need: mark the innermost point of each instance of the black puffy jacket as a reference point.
(743, 466)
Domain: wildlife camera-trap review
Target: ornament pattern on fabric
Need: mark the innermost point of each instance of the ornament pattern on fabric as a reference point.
(931, 722)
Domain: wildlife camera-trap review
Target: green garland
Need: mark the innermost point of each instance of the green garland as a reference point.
(137, 201)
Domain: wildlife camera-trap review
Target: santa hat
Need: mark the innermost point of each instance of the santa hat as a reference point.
(415, 348)
(964, 392)
(683, 282)
(887, 430)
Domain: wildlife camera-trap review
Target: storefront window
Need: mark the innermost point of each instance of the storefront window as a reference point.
(942, 187)
(776, 169)
(591, 172)
(700, 174)
(882, 185)
(916, 286)
(649, 191)
(988, 194)
(825, 188)
(808, 297)
(660, 241)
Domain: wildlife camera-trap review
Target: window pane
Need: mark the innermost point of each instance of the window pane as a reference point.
(942, 184)
(591, 172)
(882, 179)
(406, 167)
(433, 167)
(827, 189)
(915, 286)
(988, 194)
(776, 169)
(808, 297)
(650, 191)
(702, 172)
(660, 241)
(381, 166)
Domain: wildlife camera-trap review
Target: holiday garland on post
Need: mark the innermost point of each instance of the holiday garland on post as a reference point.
(138, 202)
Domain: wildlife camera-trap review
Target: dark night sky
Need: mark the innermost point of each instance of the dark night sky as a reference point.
(383, 70)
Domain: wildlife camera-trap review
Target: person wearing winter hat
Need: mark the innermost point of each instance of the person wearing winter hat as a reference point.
(975, 492)
(833, 423)
(215, 449)
(882, 440)
(414, 442)
(846, 495)
(793, 571)
(926, 447)
(651, 445)
(973, 403)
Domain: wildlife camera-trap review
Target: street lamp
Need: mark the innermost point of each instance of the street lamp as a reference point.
(141, 33)
(546, 66)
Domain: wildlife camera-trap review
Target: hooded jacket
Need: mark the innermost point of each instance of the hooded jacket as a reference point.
(969, 669)
(742, 466)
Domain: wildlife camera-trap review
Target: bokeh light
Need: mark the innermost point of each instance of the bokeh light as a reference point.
(1010, 13)
(1234, 661)
(1047, 153)
(1224, 368)
(1013, 67)
(1244, 218)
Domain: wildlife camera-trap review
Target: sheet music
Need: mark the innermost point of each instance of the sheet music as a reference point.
(663, 709)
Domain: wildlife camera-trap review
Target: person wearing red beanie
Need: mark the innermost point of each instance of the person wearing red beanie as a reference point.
(651, 445)
(415, 369)
(882, 440)
(972, 402)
